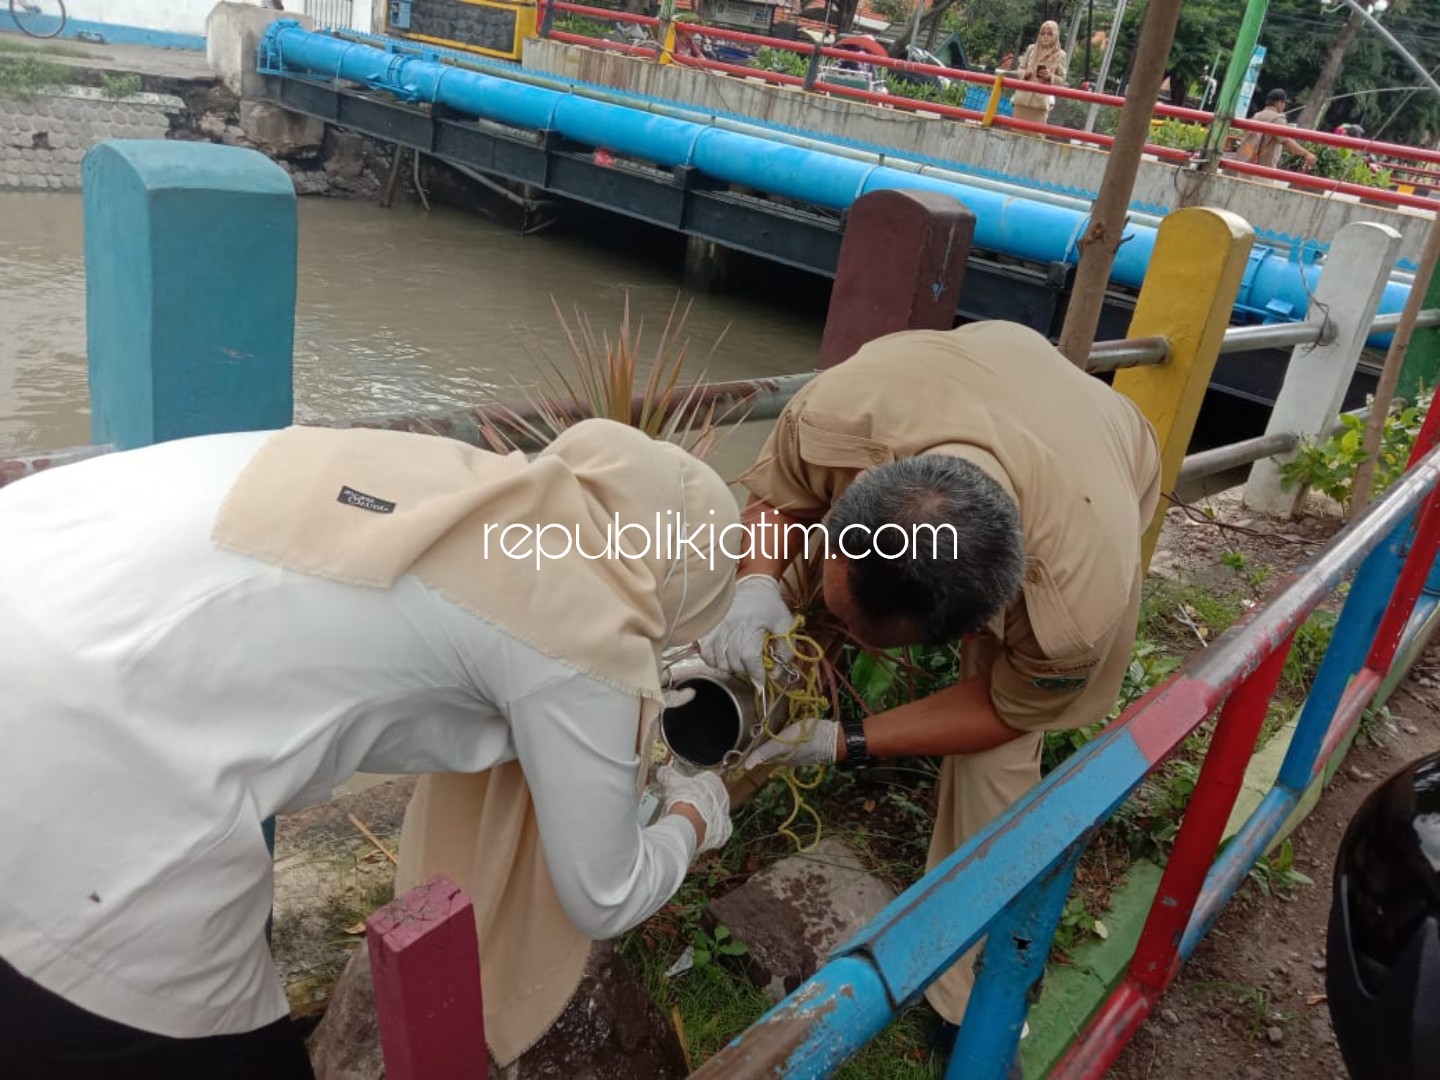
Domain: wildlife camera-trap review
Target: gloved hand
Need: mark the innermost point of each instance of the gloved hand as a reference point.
(796, 746)
(673, 699)
(738, 644)
(706, 793)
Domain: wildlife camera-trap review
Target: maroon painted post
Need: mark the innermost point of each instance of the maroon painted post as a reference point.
(424, 962)
(902, 262)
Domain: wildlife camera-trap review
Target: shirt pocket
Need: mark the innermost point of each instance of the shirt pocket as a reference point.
(822, 444)
(1066, 628)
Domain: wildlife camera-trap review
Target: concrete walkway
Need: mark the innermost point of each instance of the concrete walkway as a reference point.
(185, 64)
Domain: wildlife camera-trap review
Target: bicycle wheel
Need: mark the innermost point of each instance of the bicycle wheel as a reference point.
(39, 18)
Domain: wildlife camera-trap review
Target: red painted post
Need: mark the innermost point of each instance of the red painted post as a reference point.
(901, 265)
(424, 962)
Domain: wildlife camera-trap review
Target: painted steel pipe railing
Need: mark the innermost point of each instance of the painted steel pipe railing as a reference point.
(1274, 287)
(1002, 884)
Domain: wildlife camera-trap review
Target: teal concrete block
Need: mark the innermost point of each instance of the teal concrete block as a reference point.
(190, 276)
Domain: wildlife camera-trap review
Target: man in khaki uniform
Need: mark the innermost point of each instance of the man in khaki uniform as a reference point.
(1265, 149)
(1049, 479)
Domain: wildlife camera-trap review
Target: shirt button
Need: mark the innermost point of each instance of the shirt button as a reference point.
(877, 455)
(1033, 575)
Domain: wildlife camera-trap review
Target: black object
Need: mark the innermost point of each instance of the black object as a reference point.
(857, 750)
(1383, 943)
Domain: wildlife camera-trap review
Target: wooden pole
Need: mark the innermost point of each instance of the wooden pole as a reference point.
(1107, 219)
(1390, 373)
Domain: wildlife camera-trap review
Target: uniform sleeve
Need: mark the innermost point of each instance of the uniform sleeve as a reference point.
(575, 740)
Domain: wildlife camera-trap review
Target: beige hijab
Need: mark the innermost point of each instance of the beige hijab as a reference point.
(366, 506)
(1052, 55)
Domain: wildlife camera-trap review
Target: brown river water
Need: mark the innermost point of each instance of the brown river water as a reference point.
(398, 311)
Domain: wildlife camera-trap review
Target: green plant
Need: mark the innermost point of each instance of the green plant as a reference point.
(783, 61)
(1276, 874)
(1076, 923)
(119, 86)
(1329, 466)
(27, 76)
(708, 948)
(1178, 134)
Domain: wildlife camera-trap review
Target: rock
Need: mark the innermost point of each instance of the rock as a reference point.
(212, 126)
(794, 912)
(346, 1044)
(279, 131)
(344, 153)
(1318, 965)
(1410, 729)
(310, 181)
(610, 1028)
(1170, 1016)
(1360, 774)
(1275, 1035)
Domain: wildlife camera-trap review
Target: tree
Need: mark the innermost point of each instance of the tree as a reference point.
(1318, 96)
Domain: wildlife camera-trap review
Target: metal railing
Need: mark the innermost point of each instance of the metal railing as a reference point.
(750, 400)
(340, 13)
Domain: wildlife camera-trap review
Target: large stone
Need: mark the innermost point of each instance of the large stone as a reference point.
(609, 1029)
(344, 154)
(346, 1044)
(232, 36)
(795, 912)
(278, 130)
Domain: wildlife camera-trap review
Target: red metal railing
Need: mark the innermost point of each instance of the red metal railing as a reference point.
(997, 84)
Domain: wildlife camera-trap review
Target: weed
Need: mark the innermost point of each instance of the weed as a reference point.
(1330, 466)
(1376, 726)
(117, 86)
(1276, 874)
(27, 76)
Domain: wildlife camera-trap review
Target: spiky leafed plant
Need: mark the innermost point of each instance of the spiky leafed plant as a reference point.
(604, 381)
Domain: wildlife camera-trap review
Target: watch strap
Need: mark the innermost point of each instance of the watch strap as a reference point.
(857, 751)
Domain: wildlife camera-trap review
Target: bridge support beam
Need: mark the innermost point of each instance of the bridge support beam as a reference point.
(1347, 297)
(902, 262)
(1189, 292)
(190, 252)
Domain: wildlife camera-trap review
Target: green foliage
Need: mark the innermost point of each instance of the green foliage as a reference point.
(708, 948)
(1339, 163)
(1276, 874)
(27, 76)
(1306, 652)
(116, 86)
(1076, 924)
(1330, 466)
(584, 26)
(1179, 134)
(782, 61)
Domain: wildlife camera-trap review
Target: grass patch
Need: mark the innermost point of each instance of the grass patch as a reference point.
(116, 86)
(11, 45)
(26, 77)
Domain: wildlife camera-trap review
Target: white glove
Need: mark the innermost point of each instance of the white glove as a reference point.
(706, 793)
(673, 699)
(809, 742)
(738, 644)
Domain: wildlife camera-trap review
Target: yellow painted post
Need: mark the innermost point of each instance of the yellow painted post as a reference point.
(1187, 297)
(993, 105)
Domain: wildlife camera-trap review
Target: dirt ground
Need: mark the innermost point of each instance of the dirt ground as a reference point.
(1250, 1002)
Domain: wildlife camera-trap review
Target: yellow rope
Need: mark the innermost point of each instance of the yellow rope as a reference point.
(805, 704)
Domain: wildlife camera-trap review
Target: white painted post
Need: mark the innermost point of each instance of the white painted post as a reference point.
(1348, 293)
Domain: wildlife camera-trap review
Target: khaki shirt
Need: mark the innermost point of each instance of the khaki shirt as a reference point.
(1259, 148)
(1080, 460)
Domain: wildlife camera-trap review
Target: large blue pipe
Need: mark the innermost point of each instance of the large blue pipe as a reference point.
(1275, 287)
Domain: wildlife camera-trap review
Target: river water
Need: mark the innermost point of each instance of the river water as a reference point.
(398, 311)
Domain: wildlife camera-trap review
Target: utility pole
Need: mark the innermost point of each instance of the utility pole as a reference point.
(1234, 77)
(1108, 216)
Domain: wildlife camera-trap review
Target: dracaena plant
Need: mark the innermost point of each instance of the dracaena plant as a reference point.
(610, 378)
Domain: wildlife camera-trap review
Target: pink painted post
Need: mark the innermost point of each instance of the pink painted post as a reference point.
(424, 962)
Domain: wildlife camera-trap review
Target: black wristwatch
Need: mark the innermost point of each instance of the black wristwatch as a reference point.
(857, 752)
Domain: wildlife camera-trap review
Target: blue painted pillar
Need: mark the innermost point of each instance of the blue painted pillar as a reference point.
(190, 254)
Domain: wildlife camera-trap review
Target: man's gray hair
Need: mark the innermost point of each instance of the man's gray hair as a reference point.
(964, 558)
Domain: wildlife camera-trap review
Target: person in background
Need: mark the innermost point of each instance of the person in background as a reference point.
(1044, 62)
(199, 635)
(1263, 148)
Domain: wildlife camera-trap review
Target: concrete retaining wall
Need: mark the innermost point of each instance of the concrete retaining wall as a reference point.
(1279, 215)
(43, 141)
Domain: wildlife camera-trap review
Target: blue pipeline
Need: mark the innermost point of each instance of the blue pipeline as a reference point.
(1275, 288)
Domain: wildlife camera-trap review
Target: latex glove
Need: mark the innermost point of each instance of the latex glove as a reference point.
(706, 793)
(811, 742)
(737, 645)
(673, 699)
